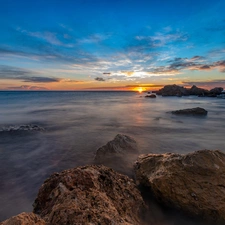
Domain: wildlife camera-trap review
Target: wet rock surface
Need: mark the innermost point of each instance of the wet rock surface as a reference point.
(89, 195)
(119, 154)
(24, 219)
(192, 111)
(193, 183)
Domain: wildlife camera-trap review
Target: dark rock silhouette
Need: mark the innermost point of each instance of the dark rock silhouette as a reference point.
(192, 111)
(173, 90)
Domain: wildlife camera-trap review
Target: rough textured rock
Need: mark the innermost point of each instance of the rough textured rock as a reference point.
(173, 90)
(194, 183)
(119, 154)
(193, 111)
(24, 219)
(194, 90)
(89, 195)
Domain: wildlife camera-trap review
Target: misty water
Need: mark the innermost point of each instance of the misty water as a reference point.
(76, 124)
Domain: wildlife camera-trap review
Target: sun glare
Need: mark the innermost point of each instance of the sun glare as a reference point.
(140, 90)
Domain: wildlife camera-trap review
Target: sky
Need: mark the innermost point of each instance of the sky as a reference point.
(111, 44)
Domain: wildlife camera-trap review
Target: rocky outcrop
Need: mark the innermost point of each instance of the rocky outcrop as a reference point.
(119, 154)
(215, 91)
(194, 90)
(89, 195)
(24, 219)
(194, 183)
(192, 111)
(172, 90)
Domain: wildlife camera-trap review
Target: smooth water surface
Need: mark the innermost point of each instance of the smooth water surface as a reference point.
(77, 123)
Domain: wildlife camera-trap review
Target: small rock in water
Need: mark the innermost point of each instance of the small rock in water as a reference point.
(192, 111)
(29, 127)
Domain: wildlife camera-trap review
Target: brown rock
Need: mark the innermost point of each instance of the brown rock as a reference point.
(194, 183)
(193, 111)
(119, 154)
(24, 219)
(89, 195)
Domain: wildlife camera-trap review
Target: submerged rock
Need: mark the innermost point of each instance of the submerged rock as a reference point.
(192, 111)
(89, 195)
(24, 219)
(193, 183)
(28, 127)
(119, 154)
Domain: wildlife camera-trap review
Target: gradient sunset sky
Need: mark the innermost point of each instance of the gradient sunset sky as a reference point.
(111, 45)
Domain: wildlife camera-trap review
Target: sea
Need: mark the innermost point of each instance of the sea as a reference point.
(42, 132)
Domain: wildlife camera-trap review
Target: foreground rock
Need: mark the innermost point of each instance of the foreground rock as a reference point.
(89, 195)
(193, 111)
(24, 219)
(194, 183)
(119, 154)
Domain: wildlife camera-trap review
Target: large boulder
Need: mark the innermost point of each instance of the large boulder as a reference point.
(24, 219)
(192, 111)
(172, 90)
(193, 183)
(119, 154)
(89, 195)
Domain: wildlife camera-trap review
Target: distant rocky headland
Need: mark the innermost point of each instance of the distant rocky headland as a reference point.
(95, 194)
(175, 90)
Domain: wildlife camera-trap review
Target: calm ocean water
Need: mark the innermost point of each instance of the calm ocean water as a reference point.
(77, 123)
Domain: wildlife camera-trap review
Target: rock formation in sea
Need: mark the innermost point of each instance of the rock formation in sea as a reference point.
(192, 111)
(194, 90)
(173, 90)
(89, 195)
(215, 91)
(193, 183)
(119, 154)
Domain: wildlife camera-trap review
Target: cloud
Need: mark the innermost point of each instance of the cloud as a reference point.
(194, 63)
(99, 79)
(27, 87)
(49, 37)
(9, 72)
(211, 83)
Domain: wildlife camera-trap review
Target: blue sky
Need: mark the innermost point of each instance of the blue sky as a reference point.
(84, 44)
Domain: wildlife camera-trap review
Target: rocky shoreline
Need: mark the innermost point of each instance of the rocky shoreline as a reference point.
(193, 184)
(179, 91)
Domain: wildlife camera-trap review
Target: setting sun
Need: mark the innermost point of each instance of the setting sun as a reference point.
(140, 89)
